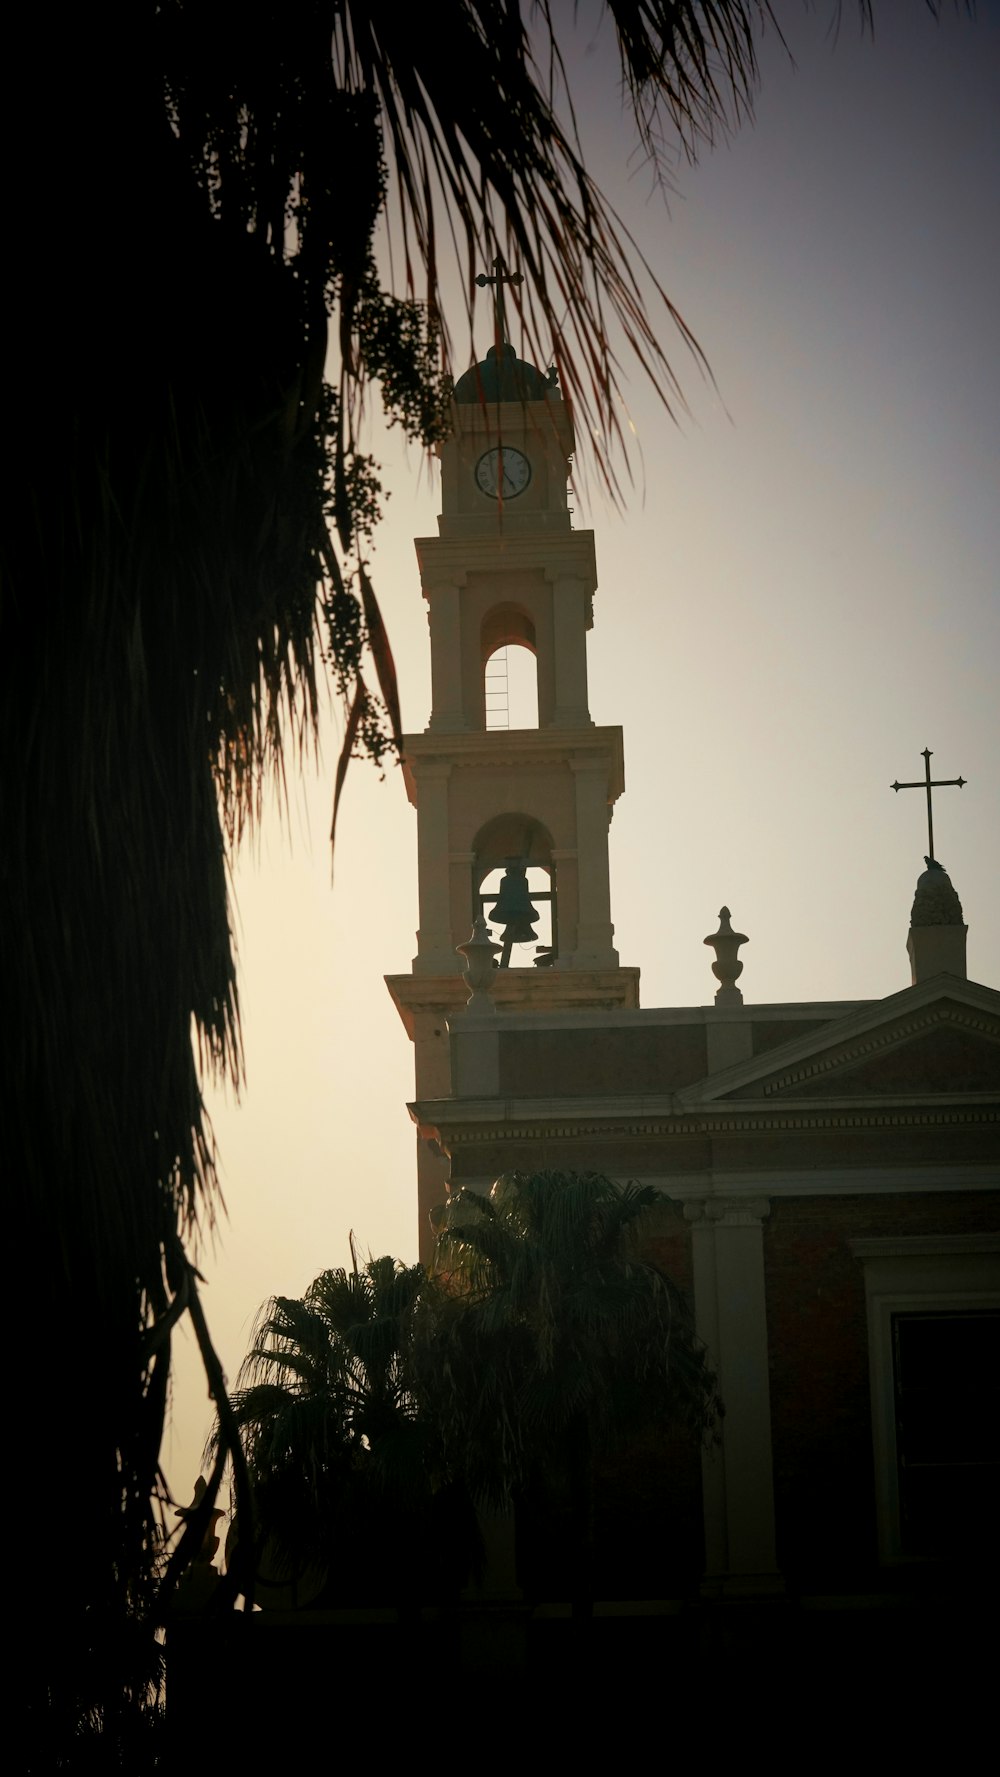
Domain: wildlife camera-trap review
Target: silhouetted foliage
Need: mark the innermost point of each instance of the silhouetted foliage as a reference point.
(561, 1339)
(344, 1449)
(379, 1409)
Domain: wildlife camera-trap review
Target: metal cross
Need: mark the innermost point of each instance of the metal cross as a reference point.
(501, 276)
(928, 783)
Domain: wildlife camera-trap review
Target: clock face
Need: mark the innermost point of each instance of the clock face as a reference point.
(504, 473)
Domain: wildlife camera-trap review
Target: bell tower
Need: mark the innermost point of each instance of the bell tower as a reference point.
(507, 570)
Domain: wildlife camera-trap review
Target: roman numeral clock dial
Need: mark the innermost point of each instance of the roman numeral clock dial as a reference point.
(503, 473)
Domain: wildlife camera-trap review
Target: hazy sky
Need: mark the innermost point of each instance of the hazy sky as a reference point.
(801, 595)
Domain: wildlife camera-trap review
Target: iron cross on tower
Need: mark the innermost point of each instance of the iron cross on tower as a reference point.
(501, 276)
(928, 783)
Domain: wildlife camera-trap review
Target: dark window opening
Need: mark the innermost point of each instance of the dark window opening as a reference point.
(946, 1378)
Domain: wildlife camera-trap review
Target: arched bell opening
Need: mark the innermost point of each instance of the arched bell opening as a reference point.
(514, 888)
(510, 668)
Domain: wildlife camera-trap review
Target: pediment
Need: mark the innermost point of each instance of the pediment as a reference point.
(941, 1039)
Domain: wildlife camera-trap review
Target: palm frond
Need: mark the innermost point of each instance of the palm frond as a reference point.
(554, 1333)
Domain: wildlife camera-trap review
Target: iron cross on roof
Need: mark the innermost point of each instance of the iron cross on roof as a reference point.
(928, 783)
(501, 276)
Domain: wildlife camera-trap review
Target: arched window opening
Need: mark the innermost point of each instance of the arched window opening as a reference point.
(524, 941)
(514, 888)
(511, 688)
(510, 670)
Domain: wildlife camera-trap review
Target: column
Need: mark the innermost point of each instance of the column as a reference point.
(713, 1461)
(731, 1316)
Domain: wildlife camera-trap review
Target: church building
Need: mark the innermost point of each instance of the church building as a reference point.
(831, 1167)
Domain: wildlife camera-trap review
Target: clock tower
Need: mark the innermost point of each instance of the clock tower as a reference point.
(512, 823)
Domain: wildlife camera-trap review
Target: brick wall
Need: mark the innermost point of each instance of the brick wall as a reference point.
(820, 1397)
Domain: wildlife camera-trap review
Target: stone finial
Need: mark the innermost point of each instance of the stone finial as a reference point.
(935, 903)
(936, 939)
(727, 967)
(480, 969)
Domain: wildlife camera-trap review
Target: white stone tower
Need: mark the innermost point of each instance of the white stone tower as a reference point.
(507, 569)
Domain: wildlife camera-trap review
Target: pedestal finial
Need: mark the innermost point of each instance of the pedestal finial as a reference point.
(727, 967)
(936, 939)
(480, 969)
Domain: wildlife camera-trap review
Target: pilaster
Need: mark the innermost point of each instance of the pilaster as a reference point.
(594, 947)
(729, 1039)
(569, 636)
(435, 948)
(444, 619)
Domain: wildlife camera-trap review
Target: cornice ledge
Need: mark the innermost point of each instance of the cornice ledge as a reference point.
(849, 1181)
(855, 1108)
(854, 1116)
(921, 1246)
(481, 747)
(738, 1211)
(466, 1121)
(444, 558)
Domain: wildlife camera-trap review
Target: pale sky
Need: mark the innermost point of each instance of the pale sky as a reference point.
(800, 596)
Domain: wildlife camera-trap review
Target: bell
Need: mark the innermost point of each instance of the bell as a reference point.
(512, 908)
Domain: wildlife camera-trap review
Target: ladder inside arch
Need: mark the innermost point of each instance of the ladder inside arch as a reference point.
(497, 691)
